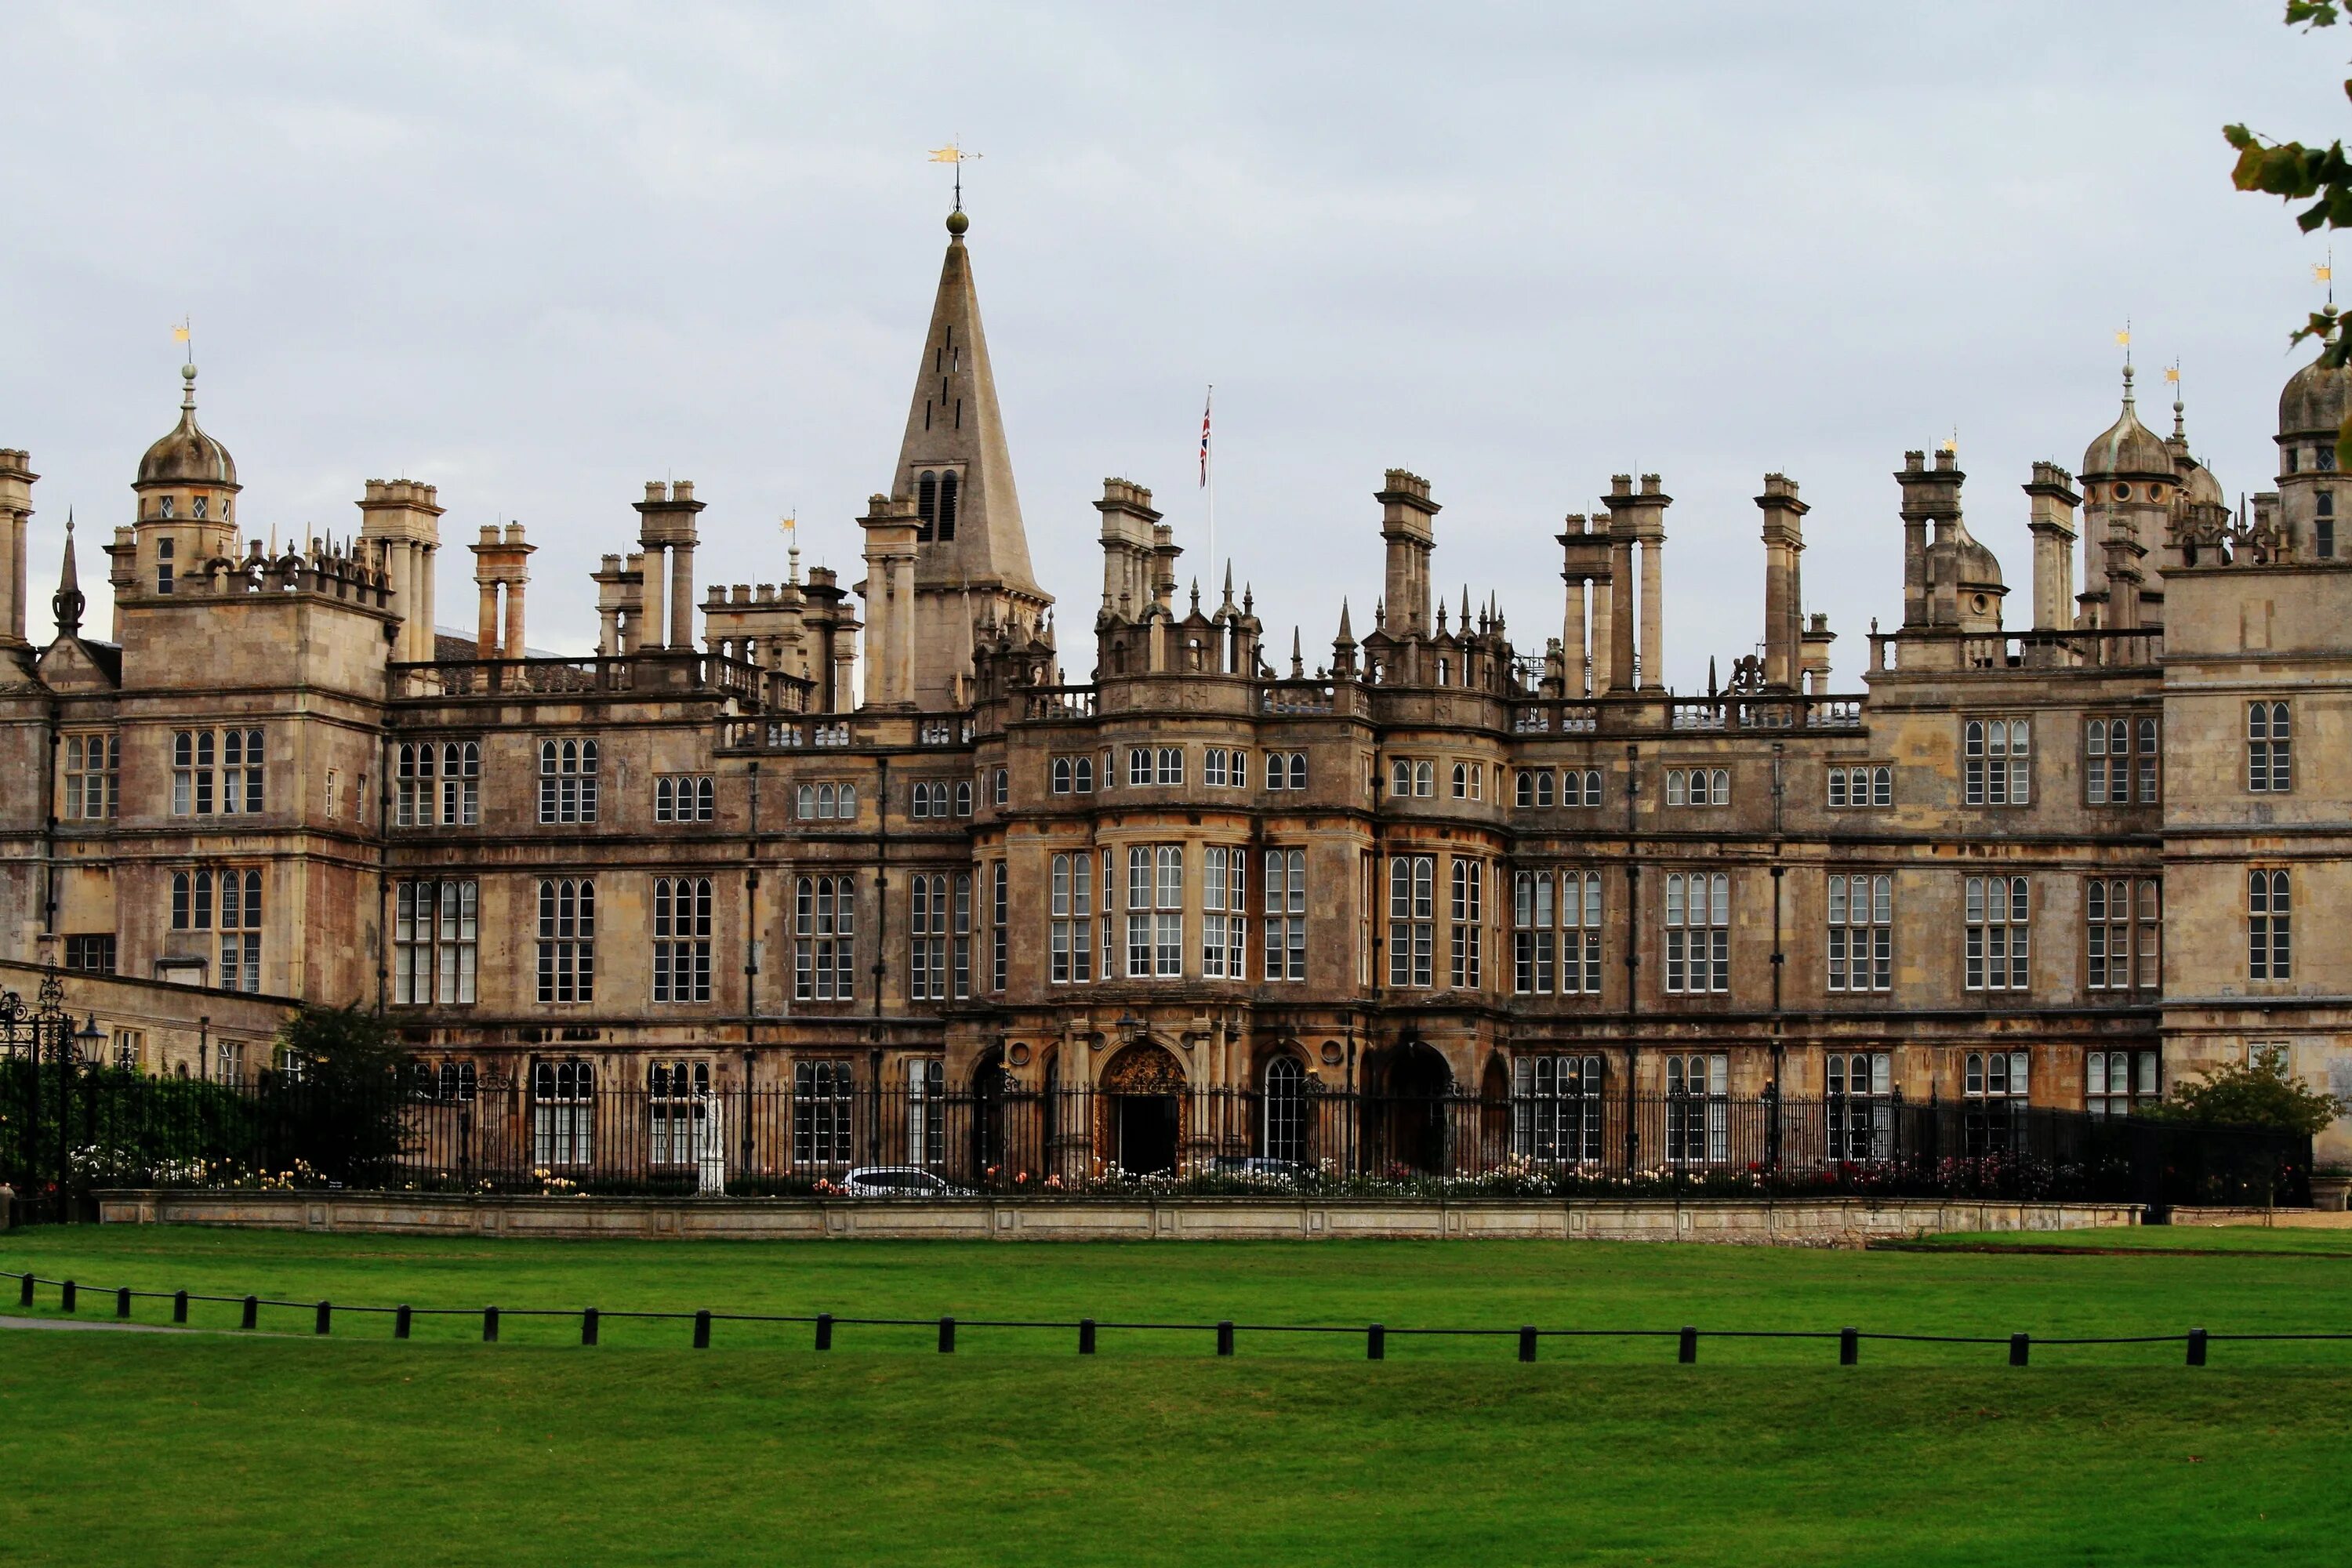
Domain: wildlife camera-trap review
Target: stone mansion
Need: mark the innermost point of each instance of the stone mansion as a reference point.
(2061, 852)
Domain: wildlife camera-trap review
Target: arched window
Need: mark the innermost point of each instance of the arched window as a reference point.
(1283, 1118)
(927, 504)
(1061, 775)
(963, 796)
(947, 505)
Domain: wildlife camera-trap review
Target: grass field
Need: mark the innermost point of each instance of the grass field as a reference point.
(287, 1448)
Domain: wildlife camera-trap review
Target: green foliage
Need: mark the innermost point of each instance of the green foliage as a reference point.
(2258, 1095)
(337, 1105)
(2322, 176)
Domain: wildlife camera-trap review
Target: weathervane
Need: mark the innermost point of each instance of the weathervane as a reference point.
(954, 152)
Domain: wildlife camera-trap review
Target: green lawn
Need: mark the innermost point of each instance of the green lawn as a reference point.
(285, 1448)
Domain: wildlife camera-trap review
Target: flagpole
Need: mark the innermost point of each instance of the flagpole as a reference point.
(1209, 474)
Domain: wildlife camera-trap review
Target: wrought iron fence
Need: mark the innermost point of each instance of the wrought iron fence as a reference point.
(67, 1130)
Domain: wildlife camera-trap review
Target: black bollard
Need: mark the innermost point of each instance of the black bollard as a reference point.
(1849, 1347)
(947, 1336)
(489, 1325)
(65, 1296)
(2017, 1348)
(588, 1327)
(1085, 1336)
(1688, 1352)
(24, 1291)
(1376, 1343)
(400, 1321)
(252, 1312)
(1527, 1342)
(1225, 1337)
(825, 1330)
(703, 1330)
(122, 1302)
(179, 1306)
(2196, 1347)
(326, 1317)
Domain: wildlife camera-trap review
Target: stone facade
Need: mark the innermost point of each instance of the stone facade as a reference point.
(2017, 863)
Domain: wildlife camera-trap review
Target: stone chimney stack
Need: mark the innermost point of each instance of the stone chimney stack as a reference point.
(16, 479)
(1585, 566)
(1128, 543)
(500, 560)
(402, 519)
(1637, 518)
(620, 604)
(1931, 497)
(1406, 523)
(2053, 522)
(890, 526)
(667, 532)
(1784, 609)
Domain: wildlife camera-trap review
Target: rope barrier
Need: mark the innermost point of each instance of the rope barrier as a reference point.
(1375, 1335)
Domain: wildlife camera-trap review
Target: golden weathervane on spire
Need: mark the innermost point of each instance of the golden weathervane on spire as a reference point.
(954, 152)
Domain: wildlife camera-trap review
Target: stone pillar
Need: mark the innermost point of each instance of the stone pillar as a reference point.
(1621, 611)
(666, 524)
(656, 598)
(1784, 540)
(16, 479)
(889, 526)
(1407, 517)
(486, 620)
(681, 595)
(2053, 502)
(1571, 641)
(512, 644)
(1653, 617)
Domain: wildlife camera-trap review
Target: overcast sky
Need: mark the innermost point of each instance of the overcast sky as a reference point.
(537, 255)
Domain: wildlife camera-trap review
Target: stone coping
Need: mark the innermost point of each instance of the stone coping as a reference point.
(1817, 1222)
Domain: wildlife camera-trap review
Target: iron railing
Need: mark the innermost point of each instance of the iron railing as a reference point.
(67, 1130)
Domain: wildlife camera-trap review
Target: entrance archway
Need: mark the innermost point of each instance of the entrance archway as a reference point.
(1143, 1110)
(988, 1084)
(1408, 1113)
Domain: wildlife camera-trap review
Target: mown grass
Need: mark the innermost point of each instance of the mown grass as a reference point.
(285, 1448)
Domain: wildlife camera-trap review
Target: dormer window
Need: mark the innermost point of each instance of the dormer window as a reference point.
(198, 506)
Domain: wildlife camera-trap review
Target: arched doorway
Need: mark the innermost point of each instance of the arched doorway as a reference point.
(989, 1084)
(1407, 1114)
(1143, 1110)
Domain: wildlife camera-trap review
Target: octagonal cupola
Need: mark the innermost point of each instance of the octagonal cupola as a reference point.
(187, 497)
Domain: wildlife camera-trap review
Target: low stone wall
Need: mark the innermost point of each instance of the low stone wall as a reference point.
(2279, 1219)
(1800, 1223)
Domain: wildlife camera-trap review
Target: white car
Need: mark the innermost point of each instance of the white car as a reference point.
(899, 1181)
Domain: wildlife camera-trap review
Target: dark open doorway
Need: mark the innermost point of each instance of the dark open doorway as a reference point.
(1146, 1126)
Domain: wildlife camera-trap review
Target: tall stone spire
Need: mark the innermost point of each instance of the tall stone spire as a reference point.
(67, 601)
(972, 553)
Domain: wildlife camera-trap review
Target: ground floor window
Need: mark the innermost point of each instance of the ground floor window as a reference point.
(1556, 1107)
(927, 1112)
(822, 1095)
(677, 1100)
(1698, 1108)
(2116, 1081)
(1993, 1085)
(563, 1114)
(1860, 1113)
(1283, 1126)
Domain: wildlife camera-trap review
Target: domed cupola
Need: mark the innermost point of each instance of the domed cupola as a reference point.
(2127, 449)
(2312, 402)
(187, 457)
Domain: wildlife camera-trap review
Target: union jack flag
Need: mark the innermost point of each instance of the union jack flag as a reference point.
(1204, 434)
